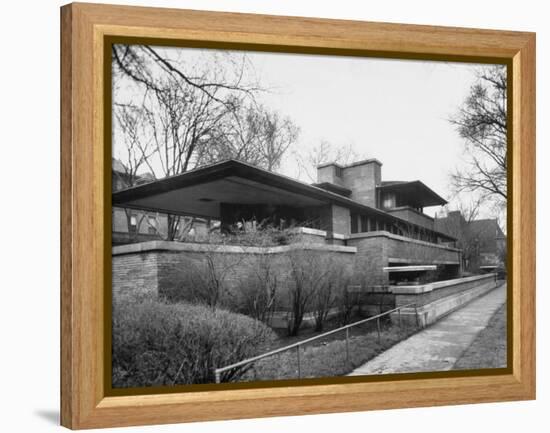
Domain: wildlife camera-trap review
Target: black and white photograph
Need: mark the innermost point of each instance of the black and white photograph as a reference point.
(284, 216)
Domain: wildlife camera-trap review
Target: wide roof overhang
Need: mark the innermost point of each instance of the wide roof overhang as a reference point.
(199, 192)
(417, 193)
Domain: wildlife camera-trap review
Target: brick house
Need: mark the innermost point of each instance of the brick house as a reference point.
(350, 206)
(482, 240)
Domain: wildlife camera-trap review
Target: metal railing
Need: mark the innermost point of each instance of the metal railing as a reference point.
(346, 328)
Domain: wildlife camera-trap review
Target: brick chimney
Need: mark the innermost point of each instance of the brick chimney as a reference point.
(361, 178)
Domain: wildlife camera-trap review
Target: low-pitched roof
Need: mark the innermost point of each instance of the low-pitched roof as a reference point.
(418, 194)
(199, 192)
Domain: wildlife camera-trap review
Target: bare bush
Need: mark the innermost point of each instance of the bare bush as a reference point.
(259, 292)
(317, 282)
(330, 291)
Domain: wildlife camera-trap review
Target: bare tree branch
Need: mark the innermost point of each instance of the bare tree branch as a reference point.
(482, 122)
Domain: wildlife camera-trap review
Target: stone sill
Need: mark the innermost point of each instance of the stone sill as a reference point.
(142, 247)
(418, 289)
(389, 235)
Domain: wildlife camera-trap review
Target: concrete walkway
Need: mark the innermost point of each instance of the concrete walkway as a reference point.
(437, 347)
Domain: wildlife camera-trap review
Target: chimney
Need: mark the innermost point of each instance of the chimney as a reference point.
(362, 178)
(330, 173)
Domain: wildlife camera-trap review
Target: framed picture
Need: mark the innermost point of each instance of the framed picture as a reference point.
(266, 215)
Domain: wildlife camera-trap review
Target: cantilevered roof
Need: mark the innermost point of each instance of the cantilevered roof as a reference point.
(332, 187)
(415, 192)
(199, 192)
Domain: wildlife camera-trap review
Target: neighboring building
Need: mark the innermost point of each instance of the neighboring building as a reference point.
(482, 241)
(349, 206)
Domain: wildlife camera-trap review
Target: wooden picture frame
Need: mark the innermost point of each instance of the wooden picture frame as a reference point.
(85, 268)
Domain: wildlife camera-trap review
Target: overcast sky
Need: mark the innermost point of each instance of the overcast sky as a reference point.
(394, 110)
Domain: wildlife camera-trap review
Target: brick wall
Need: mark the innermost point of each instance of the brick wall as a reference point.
(164, 267)
(362, 179)
(371, 257)
(135, 273)
(375, 250)
(340, 220)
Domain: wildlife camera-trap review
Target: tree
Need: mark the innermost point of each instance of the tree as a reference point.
(482, 122)
(147, 66)
(130, 122)
(179, 106)
(255, 135)
(458, 224)
(195, 109)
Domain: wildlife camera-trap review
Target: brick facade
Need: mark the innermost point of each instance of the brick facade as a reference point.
(409, 214)
(376, 250)
(362, 178)
(164, 267)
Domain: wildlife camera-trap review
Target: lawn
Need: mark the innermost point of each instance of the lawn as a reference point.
(488, 350)
(327, 357)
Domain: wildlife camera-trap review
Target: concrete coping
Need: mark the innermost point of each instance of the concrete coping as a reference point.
(353, 164)
(317, 232)
(389, 235)
(220, 248)
(412, 268)
(424, 288)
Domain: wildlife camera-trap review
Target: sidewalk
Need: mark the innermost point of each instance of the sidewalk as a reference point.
(437, 347)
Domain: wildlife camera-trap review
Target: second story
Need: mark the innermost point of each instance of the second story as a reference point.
(362, 182)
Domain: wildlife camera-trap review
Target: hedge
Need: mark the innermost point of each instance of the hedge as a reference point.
(156, 343)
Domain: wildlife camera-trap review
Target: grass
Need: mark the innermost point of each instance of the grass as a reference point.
(488, 350)
(327, 357)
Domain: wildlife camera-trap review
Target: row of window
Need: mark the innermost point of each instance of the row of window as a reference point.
(365, 223)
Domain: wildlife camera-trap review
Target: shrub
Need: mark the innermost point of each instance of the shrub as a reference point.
(156, 343)
(204, 281)
(308, 271)
(259, 291)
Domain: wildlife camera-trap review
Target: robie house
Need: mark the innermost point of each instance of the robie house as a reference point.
(351, 214)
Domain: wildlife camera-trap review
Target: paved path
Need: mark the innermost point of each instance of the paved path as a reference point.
(437, 347)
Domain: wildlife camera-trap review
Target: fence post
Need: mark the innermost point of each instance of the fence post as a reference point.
(347, 345)
(378, 328)
(217, 374)
(399, 317)
(298, 356)
(416, 314)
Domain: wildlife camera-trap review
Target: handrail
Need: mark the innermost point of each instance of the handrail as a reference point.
(218, 371)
